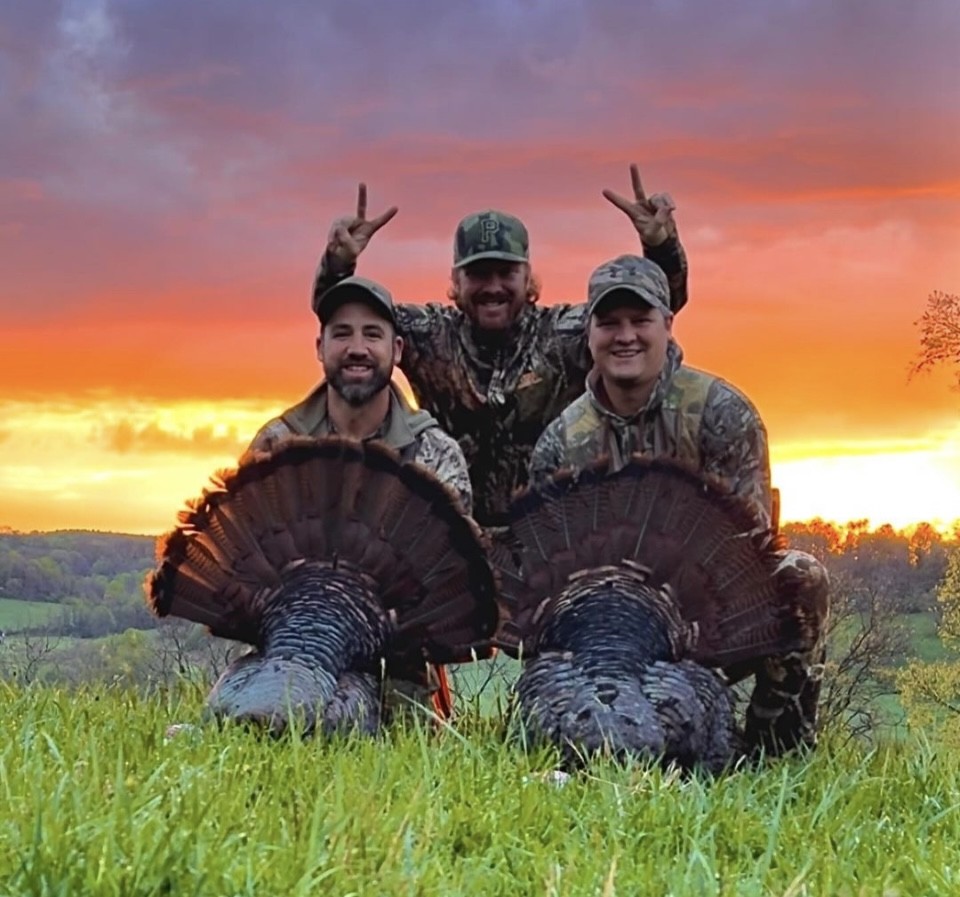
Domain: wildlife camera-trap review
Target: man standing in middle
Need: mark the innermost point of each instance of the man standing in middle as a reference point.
(495, 368)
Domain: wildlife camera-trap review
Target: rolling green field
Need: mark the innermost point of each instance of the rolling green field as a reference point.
(96, 801)
(924, 643)
(15, 614)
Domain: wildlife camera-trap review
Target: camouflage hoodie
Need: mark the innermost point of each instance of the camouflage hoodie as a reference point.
(691, 415)
(497, 396)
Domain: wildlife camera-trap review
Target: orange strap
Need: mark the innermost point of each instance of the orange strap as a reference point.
(442, 697)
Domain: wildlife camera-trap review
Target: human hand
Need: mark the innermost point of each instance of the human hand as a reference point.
(652, 217)
(350, 234)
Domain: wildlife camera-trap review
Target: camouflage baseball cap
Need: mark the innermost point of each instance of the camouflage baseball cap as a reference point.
(355, 289)
(633, 274)
(490, 235)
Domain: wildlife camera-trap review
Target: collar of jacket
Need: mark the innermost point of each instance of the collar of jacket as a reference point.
(400, 428)
(503, 358)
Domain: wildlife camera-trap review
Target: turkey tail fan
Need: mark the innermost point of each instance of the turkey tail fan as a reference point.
(344, 505)
(674, 525)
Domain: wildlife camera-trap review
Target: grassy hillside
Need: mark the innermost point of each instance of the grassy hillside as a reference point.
(98, 803)
(924, 642)
(15, 614)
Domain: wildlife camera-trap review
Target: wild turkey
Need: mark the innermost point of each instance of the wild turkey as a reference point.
(624, 594)
(331, 558)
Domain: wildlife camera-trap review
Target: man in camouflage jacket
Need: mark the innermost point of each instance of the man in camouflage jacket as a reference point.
(641, 398)
(357, 398)
(494, 367)
(358, 347)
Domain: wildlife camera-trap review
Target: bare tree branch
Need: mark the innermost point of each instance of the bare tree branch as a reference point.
(939, 334)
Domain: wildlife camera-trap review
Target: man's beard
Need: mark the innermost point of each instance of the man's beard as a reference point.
(494, 337)
(358, 394)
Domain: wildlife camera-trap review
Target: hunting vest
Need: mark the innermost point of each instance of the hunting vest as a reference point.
(670, 430)
(400, 430)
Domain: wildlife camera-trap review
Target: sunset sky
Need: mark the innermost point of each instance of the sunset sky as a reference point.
(168, 171)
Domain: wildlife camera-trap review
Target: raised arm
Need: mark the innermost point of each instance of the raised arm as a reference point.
(423, 328)
(672, 259)
(653, 219)
(347, 238)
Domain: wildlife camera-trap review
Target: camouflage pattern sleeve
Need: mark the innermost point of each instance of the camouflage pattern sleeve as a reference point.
(272, 432)
(672, 260)
(326, 276)
(442, 455)
(733, 443)
(572, 332)
(424, 329)
(547, 457)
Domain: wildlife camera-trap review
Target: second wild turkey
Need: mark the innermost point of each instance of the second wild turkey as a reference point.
(332, 559)
(624, 595)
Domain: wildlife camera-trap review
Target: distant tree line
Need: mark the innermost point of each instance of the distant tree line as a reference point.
(55, 566)
(905, 565)
(97, 577)
(104, 632)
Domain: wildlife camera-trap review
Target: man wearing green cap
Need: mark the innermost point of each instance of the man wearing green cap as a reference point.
(641, 399)
(494, 367)
(358, 347)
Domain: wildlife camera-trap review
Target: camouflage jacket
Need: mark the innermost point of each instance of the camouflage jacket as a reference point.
(692, 416)
(497, 398)
(416, 435)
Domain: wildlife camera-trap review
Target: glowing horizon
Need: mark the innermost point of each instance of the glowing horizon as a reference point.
(163, 203)
(134, 465)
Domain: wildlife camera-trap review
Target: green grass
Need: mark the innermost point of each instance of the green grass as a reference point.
(16, 614)
(925, 644)
(95, 802)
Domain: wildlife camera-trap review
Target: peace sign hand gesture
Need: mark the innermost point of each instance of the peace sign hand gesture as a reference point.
(349, 235)
(653, 217)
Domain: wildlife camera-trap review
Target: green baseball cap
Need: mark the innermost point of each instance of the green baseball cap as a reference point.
(490, 235)
(355, 289)
(631, 273)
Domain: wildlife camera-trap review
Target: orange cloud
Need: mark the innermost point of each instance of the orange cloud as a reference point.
(125, 436)
(161, 212)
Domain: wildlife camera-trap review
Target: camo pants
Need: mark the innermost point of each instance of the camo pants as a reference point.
(782, 713)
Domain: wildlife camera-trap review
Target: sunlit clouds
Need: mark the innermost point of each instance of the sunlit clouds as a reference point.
(882, 482)
(126, 466)
(168, 172)
(115, 465)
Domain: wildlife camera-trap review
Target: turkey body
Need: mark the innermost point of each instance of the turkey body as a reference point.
(609, 677)
(323, 634)
(624, 594)
(336, 563)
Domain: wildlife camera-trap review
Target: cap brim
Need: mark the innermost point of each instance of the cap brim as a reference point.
(643, 296)
(342, 293)
(480, 256)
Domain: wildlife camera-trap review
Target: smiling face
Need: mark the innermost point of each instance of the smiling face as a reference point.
(358, 349)
(492, 292)
(628, 340)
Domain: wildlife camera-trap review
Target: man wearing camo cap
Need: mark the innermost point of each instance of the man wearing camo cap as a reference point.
(358, 346)
(495, 367)
(641, 398)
